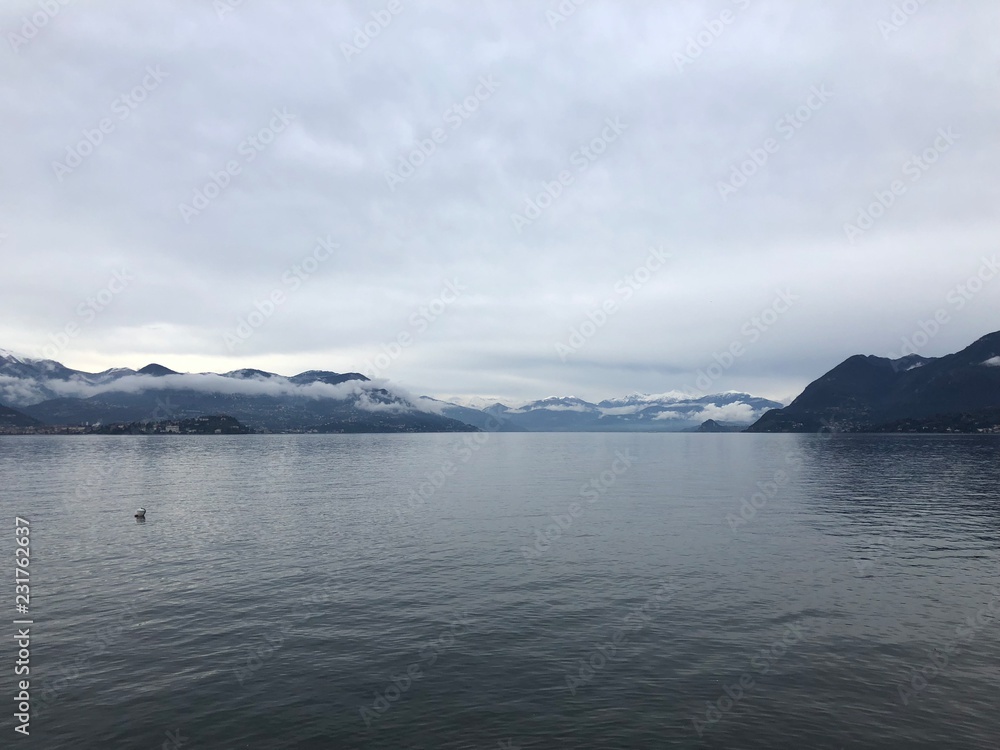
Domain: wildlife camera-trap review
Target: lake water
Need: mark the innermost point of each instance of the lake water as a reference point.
(555, 591)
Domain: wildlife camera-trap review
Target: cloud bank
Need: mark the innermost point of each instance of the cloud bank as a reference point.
(331, 197)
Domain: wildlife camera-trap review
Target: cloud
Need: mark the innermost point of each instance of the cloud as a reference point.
(992, 362)
(366, 402)
(552, 407)
(735, 412)
(24, 391)
(671, 415)
(616, 411)
(425, 404)
(208, 383)
(20, 391)
(64, 236)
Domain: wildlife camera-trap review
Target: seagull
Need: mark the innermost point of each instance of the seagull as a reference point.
(140, 513)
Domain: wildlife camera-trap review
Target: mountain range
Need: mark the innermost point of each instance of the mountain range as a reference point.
(316, 400)
(48, 392)
(958, 392)
(667, 412)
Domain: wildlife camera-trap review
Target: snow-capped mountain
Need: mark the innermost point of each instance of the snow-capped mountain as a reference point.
(52, 393)
(666, 412)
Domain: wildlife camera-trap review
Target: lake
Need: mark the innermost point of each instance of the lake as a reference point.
(509, 591)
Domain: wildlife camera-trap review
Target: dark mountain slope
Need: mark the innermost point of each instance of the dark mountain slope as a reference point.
(13, 418)
(865, 393)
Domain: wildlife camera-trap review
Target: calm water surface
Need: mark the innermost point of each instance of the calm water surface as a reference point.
(554, 591)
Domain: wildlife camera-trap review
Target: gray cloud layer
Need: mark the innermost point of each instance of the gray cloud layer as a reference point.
(321, 249)
(25, 391)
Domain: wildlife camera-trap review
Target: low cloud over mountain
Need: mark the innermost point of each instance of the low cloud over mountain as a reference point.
(327, 401)
(316, 399)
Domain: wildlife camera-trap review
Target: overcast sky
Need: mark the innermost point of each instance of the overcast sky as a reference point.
(632, 127)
